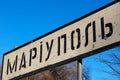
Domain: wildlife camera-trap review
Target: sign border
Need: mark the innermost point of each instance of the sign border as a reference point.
(68, 60)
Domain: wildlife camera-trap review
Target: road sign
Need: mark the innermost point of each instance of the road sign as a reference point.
(85, 36)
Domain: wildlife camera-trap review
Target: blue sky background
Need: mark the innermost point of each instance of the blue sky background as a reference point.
(96, 68)
(25, 20)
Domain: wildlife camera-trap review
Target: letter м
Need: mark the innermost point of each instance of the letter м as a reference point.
(10, 67)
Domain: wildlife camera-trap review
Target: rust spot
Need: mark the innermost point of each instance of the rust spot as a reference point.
(99, 35)
(93, 46)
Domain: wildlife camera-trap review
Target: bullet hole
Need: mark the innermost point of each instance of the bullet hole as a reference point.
(105, 37)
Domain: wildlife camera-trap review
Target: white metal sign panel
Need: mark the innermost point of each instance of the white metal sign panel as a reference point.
(80, 37)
